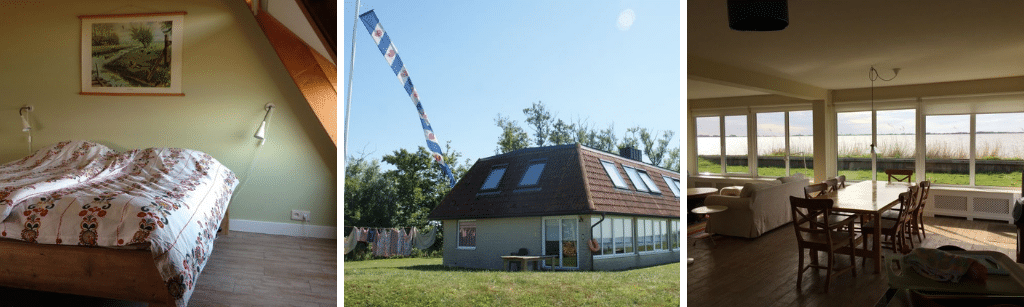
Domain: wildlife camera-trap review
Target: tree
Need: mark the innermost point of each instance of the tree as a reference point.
(513, 137)
(420, 183)
(370, 197)
(562, 133)
(142, 34)
(540, 119)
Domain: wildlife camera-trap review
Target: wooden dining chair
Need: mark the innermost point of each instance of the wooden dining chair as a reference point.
(816, 235)
(817, 190)
(896, 231)
(900, 175)
(833, 184)
(925, 187)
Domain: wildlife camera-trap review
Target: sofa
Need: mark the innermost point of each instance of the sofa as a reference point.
(760, 207)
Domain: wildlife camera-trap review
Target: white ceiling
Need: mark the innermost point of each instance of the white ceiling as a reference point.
(832, 44)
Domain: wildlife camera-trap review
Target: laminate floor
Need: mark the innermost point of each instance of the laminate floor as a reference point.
(762, 271)
(246, 269)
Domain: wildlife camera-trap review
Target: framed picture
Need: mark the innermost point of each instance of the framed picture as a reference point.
(135, 54)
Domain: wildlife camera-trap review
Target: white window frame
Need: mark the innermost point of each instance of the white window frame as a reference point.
(543, 237)
(503, 168)
(614, 175)
(629, 239)
(670, 182)
(648, 181)
(751, 115)
(458, 229)
(638, 183)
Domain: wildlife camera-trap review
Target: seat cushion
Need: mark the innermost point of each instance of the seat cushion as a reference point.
(838, 238)
(886, 225)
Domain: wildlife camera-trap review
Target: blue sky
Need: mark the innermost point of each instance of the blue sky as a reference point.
(470, 61)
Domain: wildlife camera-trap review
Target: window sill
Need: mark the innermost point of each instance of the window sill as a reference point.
(613, 256)
(466, 248)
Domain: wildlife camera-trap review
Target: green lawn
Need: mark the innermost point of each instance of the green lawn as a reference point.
(1011, 179)
(425, 282)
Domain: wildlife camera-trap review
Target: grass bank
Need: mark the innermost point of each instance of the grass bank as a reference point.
(425, 282)
(1010, 179)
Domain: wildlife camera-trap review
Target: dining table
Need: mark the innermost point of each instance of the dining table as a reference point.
(869, 199)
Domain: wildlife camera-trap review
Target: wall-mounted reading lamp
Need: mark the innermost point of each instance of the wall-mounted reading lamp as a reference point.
(261, 133)
(25, 126)
(24, 120)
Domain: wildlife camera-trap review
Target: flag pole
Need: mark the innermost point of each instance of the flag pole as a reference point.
(351, 67)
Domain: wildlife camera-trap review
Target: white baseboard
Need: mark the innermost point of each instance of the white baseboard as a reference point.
(288, 229)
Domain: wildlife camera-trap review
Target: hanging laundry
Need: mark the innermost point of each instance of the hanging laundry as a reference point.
(363, 234)
(371, 235)
(396, 237)
(407, 242)
(425, 241)
(352, 239)
(380, 244)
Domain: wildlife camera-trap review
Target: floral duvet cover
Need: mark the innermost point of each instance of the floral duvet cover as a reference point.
(168, 200)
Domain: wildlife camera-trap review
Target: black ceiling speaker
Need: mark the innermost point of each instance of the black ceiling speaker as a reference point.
(758, 15)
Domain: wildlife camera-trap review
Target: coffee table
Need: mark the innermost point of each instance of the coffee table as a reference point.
(707, 211)
(695, 198)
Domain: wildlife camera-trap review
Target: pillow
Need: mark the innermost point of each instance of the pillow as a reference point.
(748, 189)
(792, 178)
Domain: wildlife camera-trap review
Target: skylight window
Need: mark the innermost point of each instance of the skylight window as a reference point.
(635, 178)
(672, 185)
(532, 174)
(649, 182)
(613, 172)
(493, 178)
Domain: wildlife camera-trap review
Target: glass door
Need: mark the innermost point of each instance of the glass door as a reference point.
(561, 238)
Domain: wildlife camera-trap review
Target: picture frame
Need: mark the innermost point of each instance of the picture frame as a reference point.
(132, 54)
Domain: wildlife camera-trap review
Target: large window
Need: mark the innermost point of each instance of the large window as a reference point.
(736, 144)
(896, 142)
(999, 149)
(771, 144)
(709, 145)
(614, 235)
(948, 149)
(674, 234)
(854, 145)
(801, 143)
(467, 234)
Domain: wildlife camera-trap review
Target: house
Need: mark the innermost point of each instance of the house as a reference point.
(553, 200)
(230, 70)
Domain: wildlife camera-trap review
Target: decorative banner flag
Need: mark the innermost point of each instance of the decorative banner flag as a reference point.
(391, 55)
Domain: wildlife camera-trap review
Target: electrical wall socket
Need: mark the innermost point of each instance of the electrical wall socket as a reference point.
(300, 215)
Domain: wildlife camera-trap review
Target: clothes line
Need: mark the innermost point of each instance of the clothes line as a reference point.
(388, 242)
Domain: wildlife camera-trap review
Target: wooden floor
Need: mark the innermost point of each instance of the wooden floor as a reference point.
(246, 269)
(762, 271)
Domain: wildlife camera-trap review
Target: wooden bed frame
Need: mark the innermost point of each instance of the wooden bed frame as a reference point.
(121, 274)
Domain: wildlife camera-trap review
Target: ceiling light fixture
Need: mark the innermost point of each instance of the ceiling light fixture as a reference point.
(758, 15)
(873, 75)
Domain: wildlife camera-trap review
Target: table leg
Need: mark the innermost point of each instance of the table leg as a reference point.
(523, 265)
(877, 242)
(504, 265)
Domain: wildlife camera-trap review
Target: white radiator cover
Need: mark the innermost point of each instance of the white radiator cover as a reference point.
(971, 203)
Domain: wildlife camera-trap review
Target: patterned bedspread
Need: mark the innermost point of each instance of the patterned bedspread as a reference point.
(81, 193)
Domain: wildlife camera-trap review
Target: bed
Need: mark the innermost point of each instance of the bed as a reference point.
(80, 218)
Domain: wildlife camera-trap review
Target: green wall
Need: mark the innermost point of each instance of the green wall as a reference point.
(230, 71)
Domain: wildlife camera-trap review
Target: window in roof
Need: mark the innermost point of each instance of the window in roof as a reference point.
(649, 182)
(532, 174)
(670, 182)
(493, 178)
(635, 178)
(613, 172)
